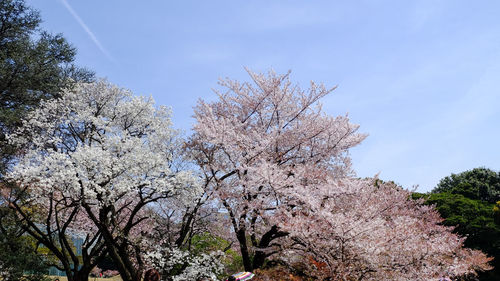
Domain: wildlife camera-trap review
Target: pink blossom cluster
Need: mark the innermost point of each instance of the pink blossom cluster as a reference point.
(280, 167)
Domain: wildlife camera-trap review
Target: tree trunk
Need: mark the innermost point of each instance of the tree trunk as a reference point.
(258, 259)
(261, 256)
(126, 273)
(242, 239)
(116, 249)
(78, 275)
(81, 276)
(125, 266)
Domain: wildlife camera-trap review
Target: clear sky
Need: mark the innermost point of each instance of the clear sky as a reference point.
(420, 77)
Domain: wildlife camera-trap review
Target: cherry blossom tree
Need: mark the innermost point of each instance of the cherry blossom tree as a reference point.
(177, 222)
(256, 143)
(185, 239)
(280, 168)
(56, 222)
(109, 154)
(353, 229)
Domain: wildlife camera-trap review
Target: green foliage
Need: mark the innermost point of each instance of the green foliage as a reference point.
(496, 212)
(34, 65)
(417, 196)
(468, 201)
(207, 242)
(478, 184)
(19, 259)
(473, 218)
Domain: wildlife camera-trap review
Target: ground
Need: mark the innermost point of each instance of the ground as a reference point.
(62, 278)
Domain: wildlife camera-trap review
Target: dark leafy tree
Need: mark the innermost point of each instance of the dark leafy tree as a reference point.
(467, 201)
(478, 184)
(473, 218)
(18, 257)
(34, 65)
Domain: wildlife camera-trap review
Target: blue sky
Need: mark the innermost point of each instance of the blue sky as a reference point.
(420, 77)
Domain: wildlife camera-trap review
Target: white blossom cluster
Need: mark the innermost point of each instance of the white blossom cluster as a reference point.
(179, 265)
(97, 160)
(100, 143)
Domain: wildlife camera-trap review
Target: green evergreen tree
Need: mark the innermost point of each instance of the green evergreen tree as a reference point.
(468, 201)
(478, 184)
(34, 65)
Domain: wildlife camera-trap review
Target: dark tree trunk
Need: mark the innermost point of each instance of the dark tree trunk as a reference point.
(259, 259)
(242, 239)
(81, 275)
(117, 248)
(127, 272)
(261, 256)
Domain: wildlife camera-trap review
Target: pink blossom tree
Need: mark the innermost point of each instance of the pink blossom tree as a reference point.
(353, 229)
(280, 168)
(256, 143)
(109, 154)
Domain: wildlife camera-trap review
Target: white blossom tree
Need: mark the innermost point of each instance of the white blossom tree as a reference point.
(109, 154)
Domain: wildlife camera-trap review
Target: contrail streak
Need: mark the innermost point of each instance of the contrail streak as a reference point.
(87, 29)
